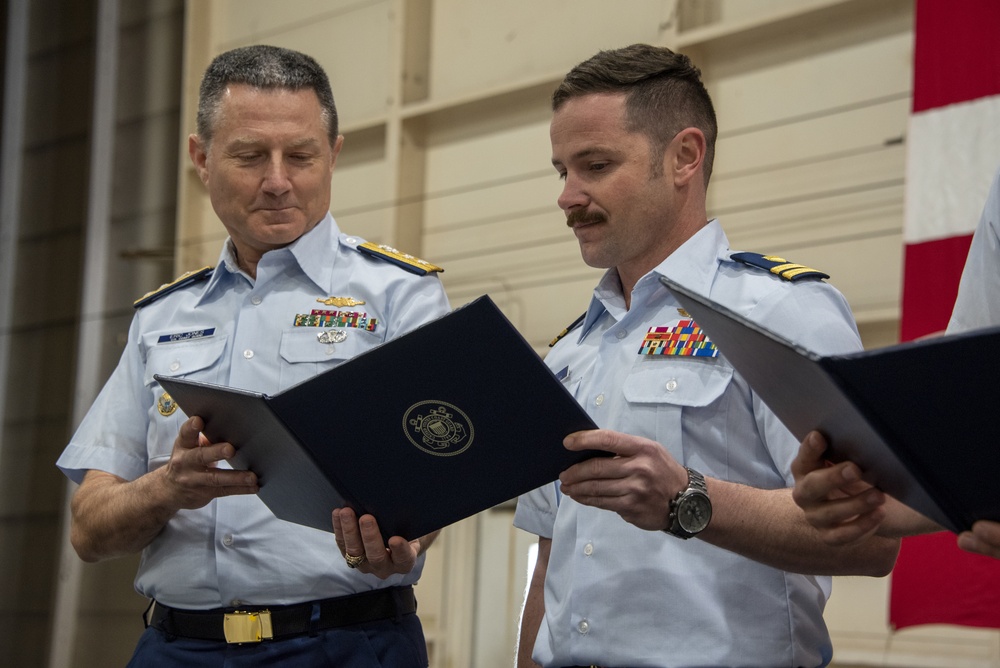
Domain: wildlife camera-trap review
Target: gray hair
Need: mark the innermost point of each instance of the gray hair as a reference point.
(266, 67)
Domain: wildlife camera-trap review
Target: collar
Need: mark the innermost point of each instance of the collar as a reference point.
(694, 263)
(311, 252)
(314, 252)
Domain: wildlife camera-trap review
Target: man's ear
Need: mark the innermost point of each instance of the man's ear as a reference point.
(337, 145)
(199, 156)
(687, 151)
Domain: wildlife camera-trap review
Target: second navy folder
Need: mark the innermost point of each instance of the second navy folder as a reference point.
(919, 417)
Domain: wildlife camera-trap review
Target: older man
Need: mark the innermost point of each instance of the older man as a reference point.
(215, 560)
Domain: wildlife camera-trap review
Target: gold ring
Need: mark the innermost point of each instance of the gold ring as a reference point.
(352, 561)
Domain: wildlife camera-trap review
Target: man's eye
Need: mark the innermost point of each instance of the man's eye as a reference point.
(247, 157)
(598, 166)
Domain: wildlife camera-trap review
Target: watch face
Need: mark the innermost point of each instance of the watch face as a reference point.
(694, 512)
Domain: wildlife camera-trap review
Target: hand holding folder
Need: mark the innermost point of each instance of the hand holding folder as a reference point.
(448, 420)
(918, 418)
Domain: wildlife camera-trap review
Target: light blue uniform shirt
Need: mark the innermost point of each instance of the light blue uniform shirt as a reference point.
(978, 302)
(616, 595)
(234, 551)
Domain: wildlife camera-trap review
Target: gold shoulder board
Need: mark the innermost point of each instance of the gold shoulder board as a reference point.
(400, 259)
(568, 329)
(179, 282)
(779, 266)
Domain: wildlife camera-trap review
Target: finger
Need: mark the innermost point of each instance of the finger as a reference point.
(983, 539)
(810, 456)
(338, 531)
(825, 483)
(237, 490)
(988, 531)
(859, 528)
(598, 468)
(374, 546)
(220, 478)
(403, 554)
(605, 439)
(206, 456)
(349, 536)
(837, 512)
(591, 488)
(189, 435)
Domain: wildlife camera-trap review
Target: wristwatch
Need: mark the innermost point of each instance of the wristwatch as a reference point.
(691, 509)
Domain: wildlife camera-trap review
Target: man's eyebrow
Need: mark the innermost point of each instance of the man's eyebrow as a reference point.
(582, 154)
(240, 143)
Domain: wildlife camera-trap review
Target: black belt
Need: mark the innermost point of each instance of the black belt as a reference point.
(256, 623)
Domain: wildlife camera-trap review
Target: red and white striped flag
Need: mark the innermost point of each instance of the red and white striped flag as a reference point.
(953, 150)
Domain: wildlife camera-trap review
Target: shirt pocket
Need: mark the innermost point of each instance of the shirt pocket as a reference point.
(201, 359)
(185, 359)
(303, 355)
(693, 384)
(666, 398)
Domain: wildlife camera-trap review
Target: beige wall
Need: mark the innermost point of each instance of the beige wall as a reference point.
(444, 104)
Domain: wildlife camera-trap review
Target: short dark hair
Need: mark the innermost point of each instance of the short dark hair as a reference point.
(664, 94)
(267, 67)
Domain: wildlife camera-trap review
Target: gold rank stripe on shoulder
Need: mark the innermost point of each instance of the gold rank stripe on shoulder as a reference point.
(398, 258)
(568, 329)
(779, 266)
(179, 282)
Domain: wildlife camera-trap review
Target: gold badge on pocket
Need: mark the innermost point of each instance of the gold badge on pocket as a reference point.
(166, 405)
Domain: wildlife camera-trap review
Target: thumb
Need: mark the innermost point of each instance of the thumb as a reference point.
(190, 433)
(810, 455)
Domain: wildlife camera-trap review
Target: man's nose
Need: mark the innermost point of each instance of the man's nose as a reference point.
(572, 195)
(276, 180)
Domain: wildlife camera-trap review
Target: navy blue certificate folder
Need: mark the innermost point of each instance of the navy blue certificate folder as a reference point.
(920, 418)
(452, 418)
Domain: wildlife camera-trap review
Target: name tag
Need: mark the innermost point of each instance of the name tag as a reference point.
(187, 336)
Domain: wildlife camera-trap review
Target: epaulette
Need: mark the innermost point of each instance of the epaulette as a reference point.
(404, 260)
(778, 266)
(176, 284)
(569, 329)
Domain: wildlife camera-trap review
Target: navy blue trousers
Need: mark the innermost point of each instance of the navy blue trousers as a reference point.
(388, 643)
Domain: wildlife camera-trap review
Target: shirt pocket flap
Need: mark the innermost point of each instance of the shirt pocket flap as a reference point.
(182, 359)
(302, 344)
(692, 384)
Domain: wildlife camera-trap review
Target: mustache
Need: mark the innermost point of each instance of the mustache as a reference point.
(581, 217)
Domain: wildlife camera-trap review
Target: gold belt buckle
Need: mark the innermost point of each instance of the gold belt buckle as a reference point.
(241, 627)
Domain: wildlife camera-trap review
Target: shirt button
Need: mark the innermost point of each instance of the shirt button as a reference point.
(588, 549)
(329, 350)
(227, 540)
(236, 602)
(256, 299)
(350, 240)
(621, 334)
(671, 385)
(174, 366)
(583, 626)
(248, 353)
(599, 400)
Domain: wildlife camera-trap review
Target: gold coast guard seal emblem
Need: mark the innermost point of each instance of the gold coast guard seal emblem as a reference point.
(166, 405)
(438, 428)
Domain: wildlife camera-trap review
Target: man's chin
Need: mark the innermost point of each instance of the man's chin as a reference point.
(592, 257)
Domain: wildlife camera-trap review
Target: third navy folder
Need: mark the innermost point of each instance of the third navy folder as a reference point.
(450, 419)
(919, 418)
